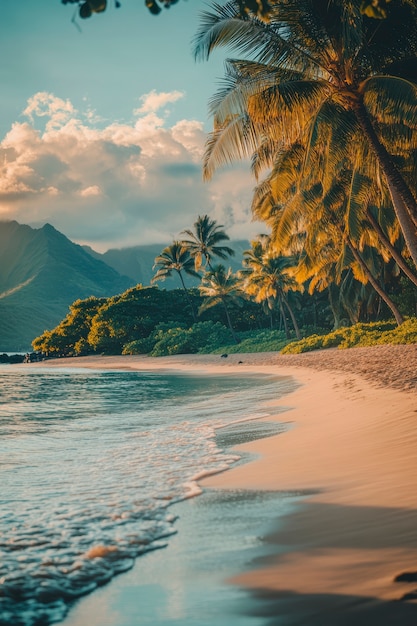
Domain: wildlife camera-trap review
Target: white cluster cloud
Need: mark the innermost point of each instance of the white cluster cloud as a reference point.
(118, 184)
(153, 101)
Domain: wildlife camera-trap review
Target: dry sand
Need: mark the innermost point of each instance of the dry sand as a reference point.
(353, 447)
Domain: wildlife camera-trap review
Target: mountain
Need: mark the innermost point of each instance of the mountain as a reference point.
(41, 273)
(137, 262)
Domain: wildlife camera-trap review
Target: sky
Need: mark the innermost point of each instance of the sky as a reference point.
(103, 124)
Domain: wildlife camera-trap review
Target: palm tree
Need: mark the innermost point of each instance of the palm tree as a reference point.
(369, 217)
(267, 278)
(329, 222)
(203, 242)
(176, 258)
(221, 286)
(319, 68)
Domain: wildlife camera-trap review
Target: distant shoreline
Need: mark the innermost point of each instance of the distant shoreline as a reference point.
(393, 366)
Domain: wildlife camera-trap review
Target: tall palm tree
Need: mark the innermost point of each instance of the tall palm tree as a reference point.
(329, 219)
(369, 217)
(319, 67)
(221, 286)
(203, 242)
(176, 259)
(266, 277)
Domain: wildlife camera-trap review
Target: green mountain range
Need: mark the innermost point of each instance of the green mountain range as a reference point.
(42, 272)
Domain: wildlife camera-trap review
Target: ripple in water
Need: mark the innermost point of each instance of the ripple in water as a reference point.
(90, 462)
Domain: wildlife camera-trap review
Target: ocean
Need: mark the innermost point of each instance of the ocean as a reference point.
(91, 462)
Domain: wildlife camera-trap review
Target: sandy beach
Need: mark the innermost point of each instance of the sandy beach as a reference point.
(352, 447)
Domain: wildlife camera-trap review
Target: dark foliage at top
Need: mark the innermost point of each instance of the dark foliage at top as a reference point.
(376, 9)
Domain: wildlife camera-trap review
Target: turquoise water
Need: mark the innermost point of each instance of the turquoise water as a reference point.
(90, 462)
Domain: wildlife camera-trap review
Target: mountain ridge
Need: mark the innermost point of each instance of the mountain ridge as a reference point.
(137, 262)
(42, 272)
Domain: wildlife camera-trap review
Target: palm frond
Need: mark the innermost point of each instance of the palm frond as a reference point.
(236, 140)
(390, 99)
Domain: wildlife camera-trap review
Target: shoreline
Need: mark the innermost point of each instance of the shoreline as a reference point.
(352, 448)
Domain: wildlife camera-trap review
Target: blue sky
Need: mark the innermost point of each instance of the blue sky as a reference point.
(102, 131)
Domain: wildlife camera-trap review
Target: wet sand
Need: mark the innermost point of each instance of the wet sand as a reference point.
(352, 448)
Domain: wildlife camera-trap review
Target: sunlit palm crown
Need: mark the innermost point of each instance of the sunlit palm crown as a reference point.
(203, 242)
(309, 67)
(326, 99)
(220, 282)
(173, 258)
(266, 275)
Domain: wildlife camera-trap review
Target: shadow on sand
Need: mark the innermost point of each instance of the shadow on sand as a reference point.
(307, 537)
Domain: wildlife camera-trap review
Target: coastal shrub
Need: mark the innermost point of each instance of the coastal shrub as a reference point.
(175, 338)
(250, 341)
(82, 347)
(139, 346)
(209, 334)
(314, 342)
(359, 335)
(214, 338)
(145, 345)
(173, 341)
(11, 358)
(191, 340)
(407, 332)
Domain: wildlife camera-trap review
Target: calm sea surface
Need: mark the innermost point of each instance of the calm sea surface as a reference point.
(90, 462)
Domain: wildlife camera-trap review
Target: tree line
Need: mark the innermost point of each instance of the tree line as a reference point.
(265, 293)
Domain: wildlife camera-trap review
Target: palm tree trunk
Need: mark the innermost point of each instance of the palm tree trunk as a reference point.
(284, 319)
(187, 295)
(334, 307)
(398, 258)
(407, 227)
(375, 284)
(404, 203)
(294, 321)
(229, 322)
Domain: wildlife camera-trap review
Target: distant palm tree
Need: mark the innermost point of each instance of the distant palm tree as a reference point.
(203, 242)
(266, 277)
(176, 258)
(220, 286)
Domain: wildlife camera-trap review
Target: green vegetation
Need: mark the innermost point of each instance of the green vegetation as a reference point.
(145, 320)
(252, 341)
(359, 335)
(169, 339)
(205, 242)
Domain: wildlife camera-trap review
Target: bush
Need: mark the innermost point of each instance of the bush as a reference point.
(172, 341)
(251, 341)
(139, 346)
(201, 336)
(372, 334)
(175, 338)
